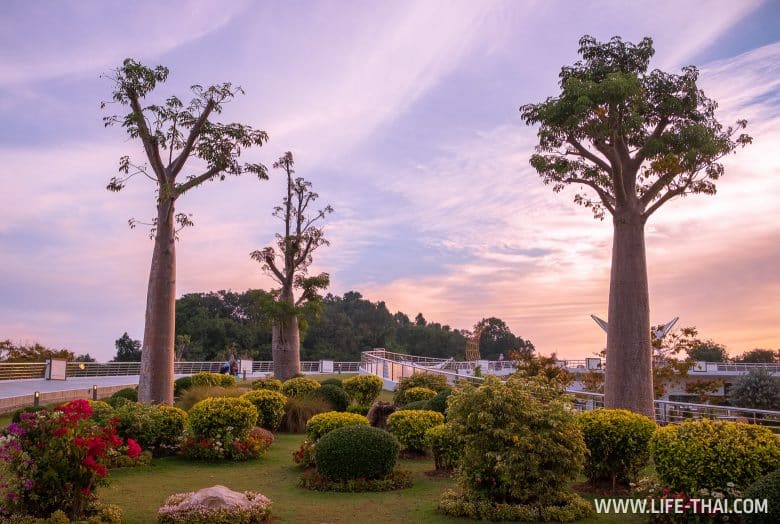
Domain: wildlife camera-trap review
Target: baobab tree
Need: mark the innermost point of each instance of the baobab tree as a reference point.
(288, 265)
(636, 139)
(172, 133)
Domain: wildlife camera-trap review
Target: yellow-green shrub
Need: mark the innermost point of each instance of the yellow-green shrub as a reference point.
(206, 378)
(101, 411)
(619, 444)
(324, 423)
(419, 394)
(704, 453)
(269, 405)
(300, 386)
(445, 445)
(169, 423)
(195, 394)
(409, 427)
(363, 389)
(433, 381)
(216, 416)
(274, 384)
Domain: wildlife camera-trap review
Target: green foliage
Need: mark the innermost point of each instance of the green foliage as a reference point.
(357, 451)
(363, 389)
(396, 480)
(570, 508)
(439, 402)
(195, 394)
(758, 389)
(323, 423)
(521, 441)
(300, 387)
(101, 411)
(333, 382)
(123, 395)
(618, 441)
(431, 381)
(269, 405)
(409, 427)
(214, 417)
(206, 378)
(274, 384)
(767, 487)
(127, 349)
(445, 445)
(298, 411)
(702, 454)
(17, 415)
(419, 394)
(157, 428)
(497, 339)
(357, 408)
(10, 352)
(708, 351)
(181, 384)
(335, 396)
(417, 404)
(759, 356)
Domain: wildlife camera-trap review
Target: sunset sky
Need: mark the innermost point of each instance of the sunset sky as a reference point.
(404, 115)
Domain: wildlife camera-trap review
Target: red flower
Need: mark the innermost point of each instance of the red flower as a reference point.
(85, 492)
(133, 449)
(59, 432)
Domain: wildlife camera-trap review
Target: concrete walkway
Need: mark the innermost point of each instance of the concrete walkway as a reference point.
(15, 394)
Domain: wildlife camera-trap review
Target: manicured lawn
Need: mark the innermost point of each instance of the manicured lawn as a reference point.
(140, 491)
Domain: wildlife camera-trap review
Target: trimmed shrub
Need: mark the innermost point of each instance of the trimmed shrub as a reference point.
(195, 394)
(269, 405)
(439, 402)
(274, 384)
(168, 426)
(445, 445)
(181, 384)
(431, 381)
(396, 480)
(704, 453)
(377, 415)
(298, 411)
(206, 378)
(417, 404)
(767, 487)
(333, 382)
(353, 452)
(409, 427)
(323, 423)
(356, 408)
(363, 389)
(213, 416)
(619, 444)
(300, 387)
(101, 411)
(135, 421)
(335, 396)
(418, 394)
(123, 394)
(522, 445)
(17, 416)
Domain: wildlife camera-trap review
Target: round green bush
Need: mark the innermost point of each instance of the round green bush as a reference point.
(300, 387)
(705, 454)
(431, 381)
(767, 487)
(274, 384)
(206, 378)
(439, 402)
(101, 411)
(445, 445)
(335, 396)
(130, 394)
(168, 425)
(418, 394)
(363, 389)
(216, 416)
(357, 408)
(269, 405)
(409, 427)
(323, 423)
(181, 384)
(619, 444)
(353, 452)
(136, 421)
(521, 442)
(333, 382)
(418, 404)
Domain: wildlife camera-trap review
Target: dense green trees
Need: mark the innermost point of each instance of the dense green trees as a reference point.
(127, 349)
(225, 321)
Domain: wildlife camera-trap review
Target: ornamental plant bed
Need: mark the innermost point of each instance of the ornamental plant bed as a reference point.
(398, 479)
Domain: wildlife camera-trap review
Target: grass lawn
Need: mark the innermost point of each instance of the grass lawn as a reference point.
(140, 491)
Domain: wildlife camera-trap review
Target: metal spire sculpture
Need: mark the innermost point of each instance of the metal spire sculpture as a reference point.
(472, 343)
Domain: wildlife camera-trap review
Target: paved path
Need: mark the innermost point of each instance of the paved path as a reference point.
(20, 388)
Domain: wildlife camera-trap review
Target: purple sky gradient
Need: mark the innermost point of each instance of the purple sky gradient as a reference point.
(404, 116)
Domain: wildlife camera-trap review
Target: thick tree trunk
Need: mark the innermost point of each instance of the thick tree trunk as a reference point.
(629, 375)
(156, 381)
(286, 348)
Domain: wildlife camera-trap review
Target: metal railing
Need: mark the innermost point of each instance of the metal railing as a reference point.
(33, 370)
(395, 366)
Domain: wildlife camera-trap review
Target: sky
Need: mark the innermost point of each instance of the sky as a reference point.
(404, 116)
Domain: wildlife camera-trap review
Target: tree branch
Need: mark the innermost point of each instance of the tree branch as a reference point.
(186, 186)
(272, 266)
(178, 164)
(583, 152)
(661, 201)
(655, 135)
(617, 174)
(606, 199)
(150, 146)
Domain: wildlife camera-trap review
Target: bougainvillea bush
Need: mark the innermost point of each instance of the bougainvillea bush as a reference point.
(56, 459)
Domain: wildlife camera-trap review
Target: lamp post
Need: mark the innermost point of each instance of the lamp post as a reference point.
(36, 398)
